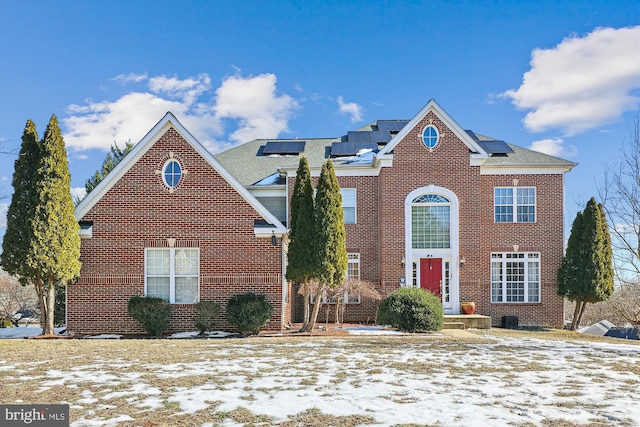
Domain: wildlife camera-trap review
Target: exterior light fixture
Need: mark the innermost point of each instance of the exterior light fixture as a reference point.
(463, 261)
(403, 262)
(274, 240)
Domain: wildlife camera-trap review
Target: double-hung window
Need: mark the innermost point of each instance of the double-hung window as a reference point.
(514, 204)
(349, 204)
(353, 273)
(172, 274)
(515, 277)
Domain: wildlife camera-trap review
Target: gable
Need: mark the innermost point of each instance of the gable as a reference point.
(477, 152)
(269, 223)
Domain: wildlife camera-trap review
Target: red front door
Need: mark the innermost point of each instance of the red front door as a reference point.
(431, 275)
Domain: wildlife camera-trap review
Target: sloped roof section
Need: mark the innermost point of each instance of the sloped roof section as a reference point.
(251, 167)
(167, 122)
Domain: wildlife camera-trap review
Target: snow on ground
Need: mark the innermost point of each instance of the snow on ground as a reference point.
(24, 331)
(505, 381)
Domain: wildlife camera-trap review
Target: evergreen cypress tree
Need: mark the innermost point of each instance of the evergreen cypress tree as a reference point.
(300, 266)
(329, 235)
(586, 273)
(16, 239)
(54, 248)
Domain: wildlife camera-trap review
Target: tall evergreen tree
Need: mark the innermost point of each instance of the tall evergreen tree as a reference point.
(586, 273)
(54, 248)
(330, 245)
(300, 256)
(16, 239)
(116, 154)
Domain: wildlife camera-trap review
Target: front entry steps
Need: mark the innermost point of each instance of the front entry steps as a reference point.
(466, 321)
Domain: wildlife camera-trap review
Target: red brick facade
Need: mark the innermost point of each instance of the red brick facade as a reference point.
(380, 233)
(140, 212)
(210, 211)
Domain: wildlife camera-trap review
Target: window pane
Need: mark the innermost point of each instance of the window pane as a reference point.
(349, 215)
(158, 262)
(533, 286)
(158, 287)
(503, 204)
(186, 262)
(430, 227)
(349, 205)
(496, 281)
(186, 290)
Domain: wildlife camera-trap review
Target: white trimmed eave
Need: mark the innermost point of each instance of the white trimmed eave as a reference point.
(170, 121)
(268, 190)
(531, 169)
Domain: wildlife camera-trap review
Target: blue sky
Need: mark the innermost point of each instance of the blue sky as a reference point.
(560, 77)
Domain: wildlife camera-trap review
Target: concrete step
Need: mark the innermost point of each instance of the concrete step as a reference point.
(474, 321)
(453, 325)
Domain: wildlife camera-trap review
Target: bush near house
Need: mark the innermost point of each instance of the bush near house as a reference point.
(249, 312)
(206, 313)
(152, 313)
(412, 310)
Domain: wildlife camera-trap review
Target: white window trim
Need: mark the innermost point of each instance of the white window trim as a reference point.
(355, 204)
(503, 261)
(514, 206)
(172, 275)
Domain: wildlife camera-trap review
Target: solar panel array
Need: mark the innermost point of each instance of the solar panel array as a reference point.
(350, 148)
(391, 125)
(284, 147)
(369, 136)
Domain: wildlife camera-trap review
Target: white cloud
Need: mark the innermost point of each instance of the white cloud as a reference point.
(100, 124)
(131, 77)
(188, 90)
(253, 101)
(582, 83)
(554, 147)
(78, 193)
(4, 207)
(350, 108)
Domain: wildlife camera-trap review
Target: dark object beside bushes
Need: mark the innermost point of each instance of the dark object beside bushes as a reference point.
(249, 312)
(152, 313)
(206, 313)
(412, 310)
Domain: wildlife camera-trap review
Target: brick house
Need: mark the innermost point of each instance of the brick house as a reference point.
(427, 204)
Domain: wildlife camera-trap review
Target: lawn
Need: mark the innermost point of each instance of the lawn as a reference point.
(494, 378)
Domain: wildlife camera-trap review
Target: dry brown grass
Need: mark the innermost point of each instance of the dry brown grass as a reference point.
(103, 379)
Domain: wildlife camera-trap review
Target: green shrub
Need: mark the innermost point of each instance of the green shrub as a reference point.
(249, 312)
(5, 323)
(206, 313)
(152, 313)
(411, 309)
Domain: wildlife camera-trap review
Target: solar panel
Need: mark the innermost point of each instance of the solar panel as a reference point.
(369, 136)
(392, 125)
(284, 147)
(471, 134)
(343, 149)
(496, 147)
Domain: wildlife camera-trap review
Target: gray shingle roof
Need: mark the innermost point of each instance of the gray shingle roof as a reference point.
(249, 166)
